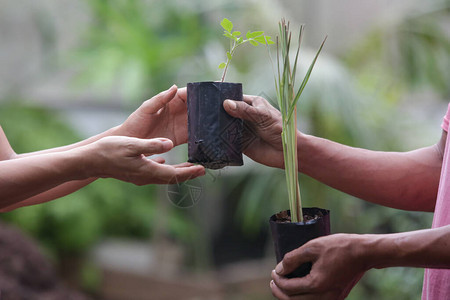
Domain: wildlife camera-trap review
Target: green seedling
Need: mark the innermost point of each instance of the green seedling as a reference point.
(253, 37)
(288, 96)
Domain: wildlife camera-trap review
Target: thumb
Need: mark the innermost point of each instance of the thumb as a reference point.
(241, 110)
(182, 93)
(159, 101)
(292, 260)
(152, 146)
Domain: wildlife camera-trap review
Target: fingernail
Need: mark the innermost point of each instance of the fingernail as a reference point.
(231, 104)
(169, 89)
(163, 139)
(167, 144)
(271, 282)
(279, 268)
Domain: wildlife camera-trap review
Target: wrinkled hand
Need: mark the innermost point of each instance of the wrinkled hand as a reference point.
(124, 158)
(337, 265)
(263, 128)
(163, 115)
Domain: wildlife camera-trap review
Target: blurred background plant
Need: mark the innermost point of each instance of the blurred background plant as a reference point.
(70, 69)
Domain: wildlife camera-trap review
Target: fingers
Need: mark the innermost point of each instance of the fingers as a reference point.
(279, 294)
(167, 174)
(241, 110)
(261, 115)
(150, 146)
(255, 100)
(293, 286)
(158, 160)
(185, 164)
(157, 102)
(292, 260)
(187, 173)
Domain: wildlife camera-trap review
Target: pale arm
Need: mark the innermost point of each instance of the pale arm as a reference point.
(122, 158)
(162, 115)
(22, 178)
(60, 190)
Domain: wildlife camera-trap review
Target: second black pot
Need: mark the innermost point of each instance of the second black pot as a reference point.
(214, 137)
(288, 236)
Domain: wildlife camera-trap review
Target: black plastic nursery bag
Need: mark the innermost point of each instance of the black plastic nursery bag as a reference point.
(288, 236)
(214, 137)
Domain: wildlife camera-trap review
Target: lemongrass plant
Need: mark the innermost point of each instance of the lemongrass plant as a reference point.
(287, 102)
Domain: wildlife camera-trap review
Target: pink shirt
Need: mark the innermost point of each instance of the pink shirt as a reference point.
(436, 284)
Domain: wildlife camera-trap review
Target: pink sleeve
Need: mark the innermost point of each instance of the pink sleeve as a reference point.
(446, 120)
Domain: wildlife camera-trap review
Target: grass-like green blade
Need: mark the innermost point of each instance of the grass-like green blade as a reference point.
(300, 38)
(305, 81)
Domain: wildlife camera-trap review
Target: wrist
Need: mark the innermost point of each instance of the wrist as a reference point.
(379, 251)
(115, 131)
(85, 158)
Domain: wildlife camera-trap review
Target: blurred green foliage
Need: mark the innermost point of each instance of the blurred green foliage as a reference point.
(138, 48)
(412, 52)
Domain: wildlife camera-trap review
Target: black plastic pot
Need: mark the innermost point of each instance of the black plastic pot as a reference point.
(288, 236)
(214, 137)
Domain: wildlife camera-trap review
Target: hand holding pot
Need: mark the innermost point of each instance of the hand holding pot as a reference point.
(163, 115)
(337, 265)
(124, 158)
(262, 130)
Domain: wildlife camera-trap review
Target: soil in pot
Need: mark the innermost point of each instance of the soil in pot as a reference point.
(214, 137)
(288, 236)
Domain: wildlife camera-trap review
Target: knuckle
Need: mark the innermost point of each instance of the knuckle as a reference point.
(289, 258)
(146, 103)
(154, 144)
(315, 285)
(278, 127)
(282, 284)
(259, 99)
(264, 118)
(129, 146)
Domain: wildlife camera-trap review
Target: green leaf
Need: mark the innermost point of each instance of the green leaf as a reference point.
(305, 81)
(254, 34)
(236, 33)
(260, 39)
(229, 55)
(240, 40)
(222, 65)
(228, 35)
(227, 24)
(269, 40)
(253, 42)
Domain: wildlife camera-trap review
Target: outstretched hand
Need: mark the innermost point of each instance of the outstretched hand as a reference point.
(163, 115)
(124, 158)
(337, 265)
(263, 128)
